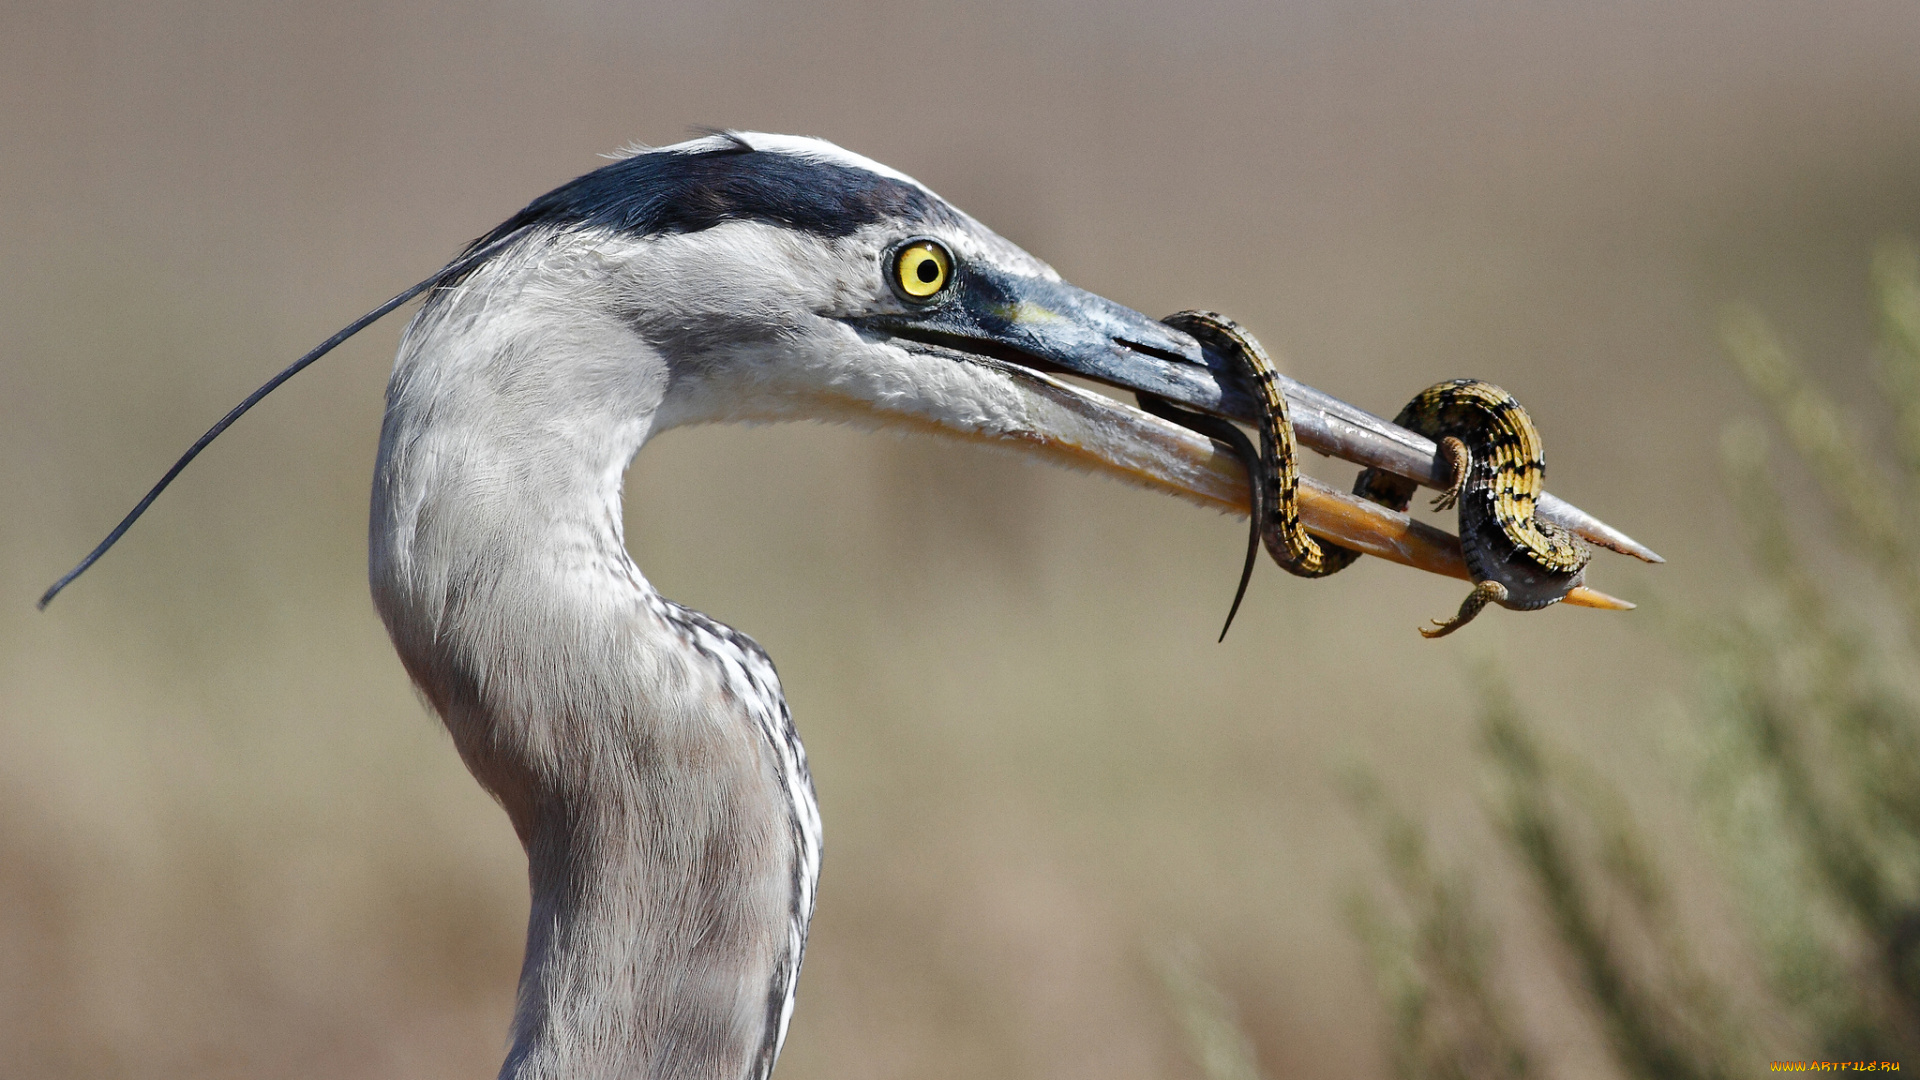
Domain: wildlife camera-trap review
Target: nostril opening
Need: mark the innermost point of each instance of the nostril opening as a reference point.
(1163, 354)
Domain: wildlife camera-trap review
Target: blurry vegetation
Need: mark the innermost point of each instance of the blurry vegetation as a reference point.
(1218, 1045)
(1815, 776)
(1597, 887)
(1431, 947)
(1809, 727)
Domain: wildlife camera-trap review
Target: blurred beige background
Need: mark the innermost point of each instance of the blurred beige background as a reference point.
(233, 844)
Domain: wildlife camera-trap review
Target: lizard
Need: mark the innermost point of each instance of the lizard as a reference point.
(1496, 474)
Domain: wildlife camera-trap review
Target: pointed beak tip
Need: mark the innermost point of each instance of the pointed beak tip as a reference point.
(1582, 596)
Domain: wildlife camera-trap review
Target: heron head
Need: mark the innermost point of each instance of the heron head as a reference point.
(756, 277)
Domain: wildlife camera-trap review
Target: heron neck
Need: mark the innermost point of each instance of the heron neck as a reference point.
(660, 869)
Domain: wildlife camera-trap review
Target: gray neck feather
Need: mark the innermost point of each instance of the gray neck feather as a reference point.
(658, 840)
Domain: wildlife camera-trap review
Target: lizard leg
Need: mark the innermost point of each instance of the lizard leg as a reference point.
(1459, 461)
(1484, 593)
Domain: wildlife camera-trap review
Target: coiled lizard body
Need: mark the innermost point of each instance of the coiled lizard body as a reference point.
(1498, 472)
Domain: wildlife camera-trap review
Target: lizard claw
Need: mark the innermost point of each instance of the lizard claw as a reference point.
(1484, 593)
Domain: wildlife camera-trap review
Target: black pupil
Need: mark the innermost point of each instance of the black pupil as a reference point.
(927, 271)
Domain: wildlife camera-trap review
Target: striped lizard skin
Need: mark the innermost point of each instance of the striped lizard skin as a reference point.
(1498, 472)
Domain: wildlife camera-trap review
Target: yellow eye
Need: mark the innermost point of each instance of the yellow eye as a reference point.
(922, 269)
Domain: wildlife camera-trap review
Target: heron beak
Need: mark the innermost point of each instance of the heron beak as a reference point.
(1052, 326)
(1033, 329)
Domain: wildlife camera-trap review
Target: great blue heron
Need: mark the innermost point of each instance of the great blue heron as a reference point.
(644, 752)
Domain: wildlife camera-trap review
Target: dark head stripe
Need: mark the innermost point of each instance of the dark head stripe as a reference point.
(677, 191)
